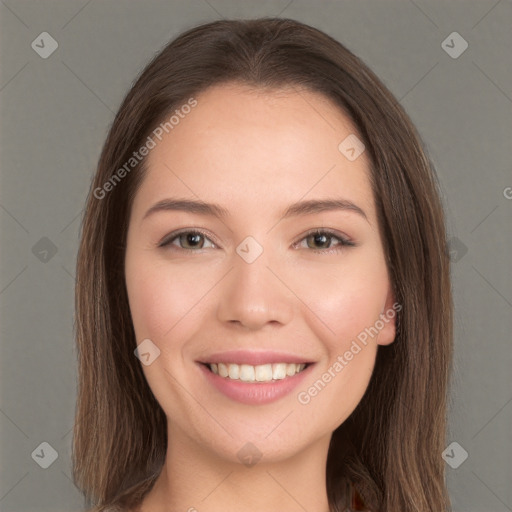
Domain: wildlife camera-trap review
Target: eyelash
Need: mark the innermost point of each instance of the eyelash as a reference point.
(344, 242)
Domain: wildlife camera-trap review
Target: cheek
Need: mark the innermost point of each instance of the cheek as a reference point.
(345, 300)
(148, 295)
(341, 314)
(351, 310)
(162, 303)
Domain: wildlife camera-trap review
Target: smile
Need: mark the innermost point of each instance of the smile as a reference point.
(258, 373)
(255, 384)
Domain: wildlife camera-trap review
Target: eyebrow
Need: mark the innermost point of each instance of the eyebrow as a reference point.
(308, 207)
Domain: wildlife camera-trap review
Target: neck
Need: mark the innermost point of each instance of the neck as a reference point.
(196, 479)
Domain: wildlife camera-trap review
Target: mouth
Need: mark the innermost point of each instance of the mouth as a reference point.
(253, 374)
(270, 377)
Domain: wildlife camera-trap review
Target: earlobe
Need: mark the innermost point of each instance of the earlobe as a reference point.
(387, 321)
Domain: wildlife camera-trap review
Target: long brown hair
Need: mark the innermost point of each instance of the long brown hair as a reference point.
(390, 447)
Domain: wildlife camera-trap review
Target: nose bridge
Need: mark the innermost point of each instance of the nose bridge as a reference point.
(253, 296)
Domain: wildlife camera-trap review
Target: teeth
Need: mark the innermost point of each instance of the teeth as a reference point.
(290, 370)
(246, 372)
(279, 371)
(263, 372)
(234, 371)
(223, 370)
(259, 373)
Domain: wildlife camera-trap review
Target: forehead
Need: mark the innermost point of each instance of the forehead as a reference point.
(272, 147)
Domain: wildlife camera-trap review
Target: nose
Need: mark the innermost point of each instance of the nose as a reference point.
(254, 294)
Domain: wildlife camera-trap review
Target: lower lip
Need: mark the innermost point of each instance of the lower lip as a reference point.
(258, 392)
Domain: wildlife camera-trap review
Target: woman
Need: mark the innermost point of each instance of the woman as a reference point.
(298, 357)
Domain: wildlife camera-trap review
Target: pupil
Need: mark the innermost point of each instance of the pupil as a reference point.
(193, 238)
(318, 238)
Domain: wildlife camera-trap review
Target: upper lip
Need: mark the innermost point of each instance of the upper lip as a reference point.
(253, 358)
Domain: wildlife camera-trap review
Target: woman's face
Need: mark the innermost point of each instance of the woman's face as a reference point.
(255, 287)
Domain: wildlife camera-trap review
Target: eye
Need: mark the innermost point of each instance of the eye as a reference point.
(324, 237)
(193, 238)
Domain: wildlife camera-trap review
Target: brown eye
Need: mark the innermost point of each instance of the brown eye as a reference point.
(320, 241)
(188, 240)
(193, 239)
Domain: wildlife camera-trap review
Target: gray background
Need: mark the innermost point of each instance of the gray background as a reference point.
(55, 113)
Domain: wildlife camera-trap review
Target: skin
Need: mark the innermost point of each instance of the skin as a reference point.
(254, 152)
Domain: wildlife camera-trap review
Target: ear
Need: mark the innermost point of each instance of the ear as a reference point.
(387, 320)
